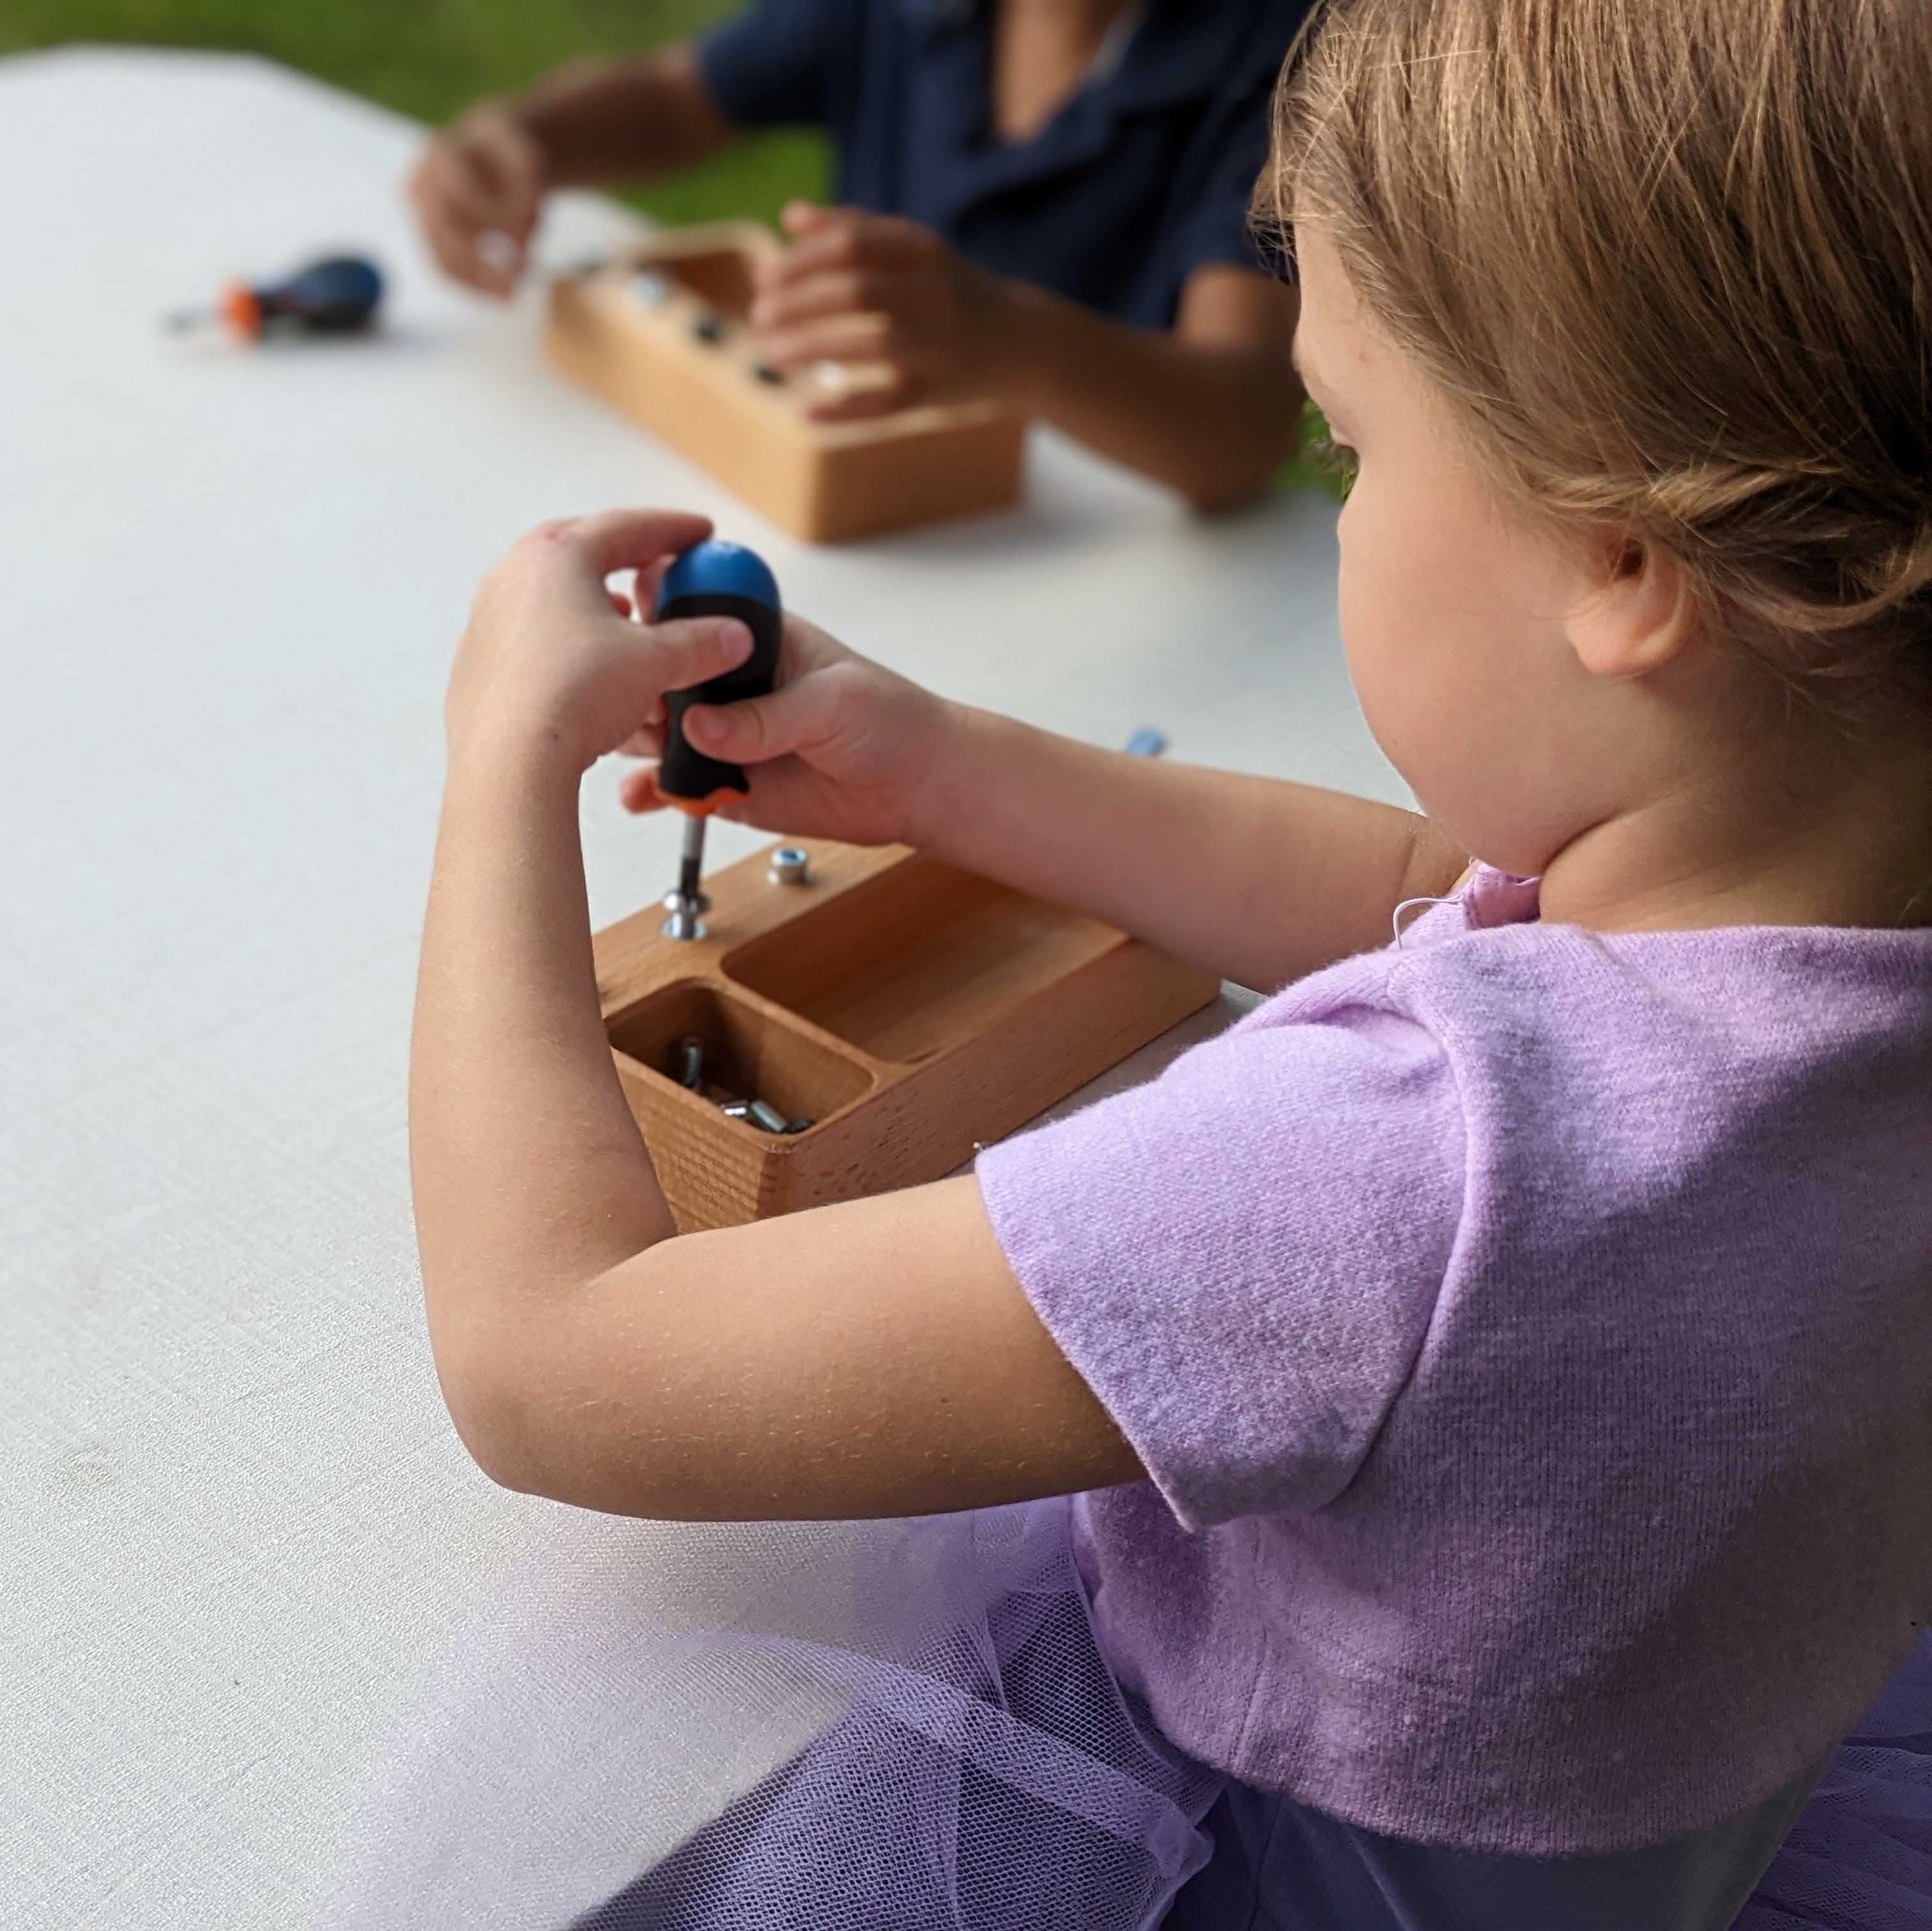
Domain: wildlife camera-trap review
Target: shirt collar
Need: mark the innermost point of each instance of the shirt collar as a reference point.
(1174, 50)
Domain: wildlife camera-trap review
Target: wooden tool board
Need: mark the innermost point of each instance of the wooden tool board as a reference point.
(662, 333)
(911, 1011)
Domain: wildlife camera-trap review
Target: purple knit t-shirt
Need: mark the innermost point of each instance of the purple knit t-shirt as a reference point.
(1528, 1334)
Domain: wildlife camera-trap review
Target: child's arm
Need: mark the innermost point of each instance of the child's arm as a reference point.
(1210, 407)
(877, 1357)
(1258, 880)
(823, 1366)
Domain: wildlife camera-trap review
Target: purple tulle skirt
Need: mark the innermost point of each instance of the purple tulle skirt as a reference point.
(1859, 1857)
(890, 1727)
(843, 1727)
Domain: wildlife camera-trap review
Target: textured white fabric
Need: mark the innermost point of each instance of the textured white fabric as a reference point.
(235, 1526)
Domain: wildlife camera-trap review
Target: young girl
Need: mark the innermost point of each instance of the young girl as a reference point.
(1496, 1376)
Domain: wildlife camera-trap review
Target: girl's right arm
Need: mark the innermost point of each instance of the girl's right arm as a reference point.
(877, 1357)
(1255, 878)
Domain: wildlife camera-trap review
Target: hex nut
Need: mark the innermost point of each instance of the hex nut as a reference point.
(791, 864)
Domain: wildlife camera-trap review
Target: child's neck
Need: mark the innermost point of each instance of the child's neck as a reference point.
(1822, 830)
(1043, 52)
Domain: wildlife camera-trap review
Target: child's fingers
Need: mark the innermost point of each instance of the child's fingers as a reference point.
(692, 650)
(631, 539)
(644, 590)
(638, 791)
(893, 386)
(829, 237)
(757, 729)
(837, 291)
(507, 169)
(867, 337)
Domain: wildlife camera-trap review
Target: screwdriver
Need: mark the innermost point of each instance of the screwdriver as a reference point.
(337, 296)
(712, 580)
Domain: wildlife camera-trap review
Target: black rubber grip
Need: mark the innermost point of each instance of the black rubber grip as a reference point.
(685, 773)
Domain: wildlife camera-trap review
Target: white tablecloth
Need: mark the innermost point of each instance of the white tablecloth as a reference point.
(236, 1522)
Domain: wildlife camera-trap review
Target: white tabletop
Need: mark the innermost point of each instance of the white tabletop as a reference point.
(236, 1521)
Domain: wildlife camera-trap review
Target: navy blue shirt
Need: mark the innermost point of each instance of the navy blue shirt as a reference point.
(1142, 177)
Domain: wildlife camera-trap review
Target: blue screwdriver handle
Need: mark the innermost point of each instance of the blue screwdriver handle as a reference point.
(717, 579)
(336, 296)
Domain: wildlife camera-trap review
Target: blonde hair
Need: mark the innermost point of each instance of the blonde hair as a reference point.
(1671, 260)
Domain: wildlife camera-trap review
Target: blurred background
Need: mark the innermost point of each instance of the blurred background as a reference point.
(431, 58)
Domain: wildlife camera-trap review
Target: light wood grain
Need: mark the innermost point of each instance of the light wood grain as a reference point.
(911, 1011)
(827, 482)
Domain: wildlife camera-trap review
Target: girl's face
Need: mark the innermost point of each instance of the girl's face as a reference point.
(1457, 615)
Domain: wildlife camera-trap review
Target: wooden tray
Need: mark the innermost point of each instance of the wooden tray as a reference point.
(911, 1011)
(661, 334)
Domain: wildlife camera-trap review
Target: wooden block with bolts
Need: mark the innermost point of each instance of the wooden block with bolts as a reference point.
(910, 1011)
(661, 333)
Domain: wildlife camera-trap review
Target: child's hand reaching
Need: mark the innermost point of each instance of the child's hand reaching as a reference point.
(842, 749)
(890, 294)
(550, 658)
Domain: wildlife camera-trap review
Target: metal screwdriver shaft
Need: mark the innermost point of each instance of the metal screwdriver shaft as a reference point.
(688, 904)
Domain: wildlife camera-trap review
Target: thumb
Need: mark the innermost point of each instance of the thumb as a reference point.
(759, 729)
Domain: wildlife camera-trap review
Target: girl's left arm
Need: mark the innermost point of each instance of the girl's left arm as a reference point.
(877, 1358)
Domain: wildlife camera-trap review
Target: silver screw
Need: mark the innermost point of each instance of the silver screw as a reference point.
(736, 1109)
(791, 864)
(768, 1117)
(685, 901)
(691, 1064)
(799, 1125)
(687, 915)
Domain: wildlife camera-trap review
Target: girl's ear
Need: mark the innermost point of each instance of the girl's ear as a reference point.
(1642, 613)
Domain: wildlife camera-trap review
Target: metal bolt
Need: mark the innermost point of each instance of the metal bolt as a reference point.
(687, 915)
(799, 1125)
(691, 1064)
(791, 864)
(768, 1116)
(736, 1109)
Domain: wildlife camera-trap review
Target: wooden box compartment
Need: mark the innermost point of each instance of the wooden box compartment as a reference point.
(749, 1053)
(921, 957)
(911, 1011)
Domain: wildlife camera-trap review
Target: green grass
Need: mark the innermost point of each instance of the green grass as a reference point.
(432, 57)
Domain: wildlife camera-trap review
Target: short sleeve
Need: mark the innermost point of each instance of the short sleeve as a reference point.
(774, 64)
(1218, 231)
(1242, 1258)
(1237, 137)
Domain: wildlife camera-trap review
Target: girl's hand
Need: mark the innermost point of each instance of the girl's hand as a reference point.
(842, 749)
(888, 294)
(551, 658)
